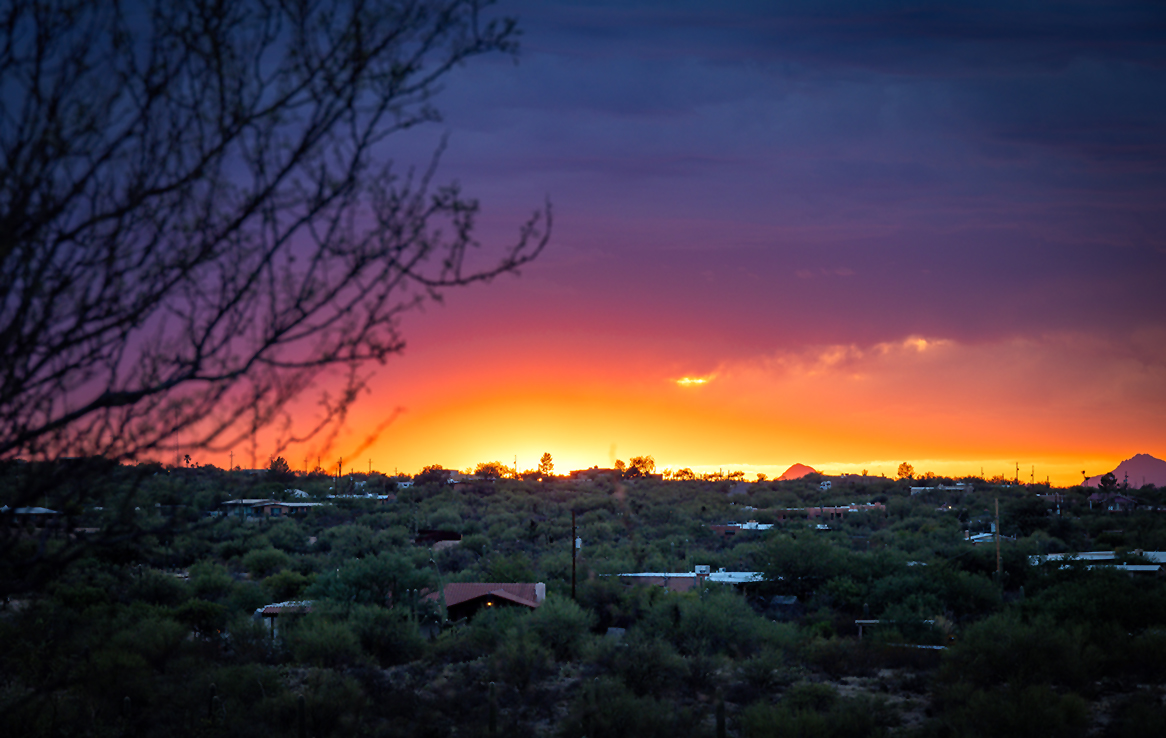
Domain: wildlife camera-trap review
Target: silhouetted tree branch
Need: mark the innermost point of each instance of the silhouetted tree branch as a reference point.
(197, 217)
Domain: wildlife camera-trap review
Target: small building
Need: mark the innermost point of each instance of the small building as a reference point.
(37, 516)
(1112, 501)
(244, 508)
(728, 530)
(686, 581)
(250, 509)
(277, 610)
(465, 599)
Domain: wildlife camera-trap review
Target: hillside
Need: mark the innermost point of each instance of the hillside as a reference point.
(797, 471)
(1141, 470)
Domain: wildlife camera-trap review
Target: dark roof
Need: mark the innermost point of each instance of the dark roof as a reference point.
(522, 593)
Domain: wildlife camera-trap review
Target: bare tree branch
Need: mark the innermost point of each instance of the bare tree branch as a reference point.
(196, 219)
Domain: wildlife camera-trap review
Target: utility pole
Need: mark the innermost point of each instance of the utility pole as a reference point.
(232, 467)
(574, 553)
(999, 567)
(1018, 472)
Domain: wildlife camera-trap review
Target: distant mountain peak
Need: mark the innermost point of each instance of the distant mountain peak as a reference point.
(797, 471)
(1140, 469)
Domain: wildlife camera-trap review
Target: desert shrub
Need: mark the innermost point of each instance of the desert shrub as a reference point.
(158, 588)
(347, 541)
(285, 585)
(520, 658)
(372, 580)
(1020, 710)
(323, 642)
(155, 639)
(814, 712)
(389, 636)
(810, 696)
(210, 581)
(646, 663)
(204, 618)
(1005, 648)
(615, 604)
(839, 657)
(288, 535)
(1138, 716)
(605, 709)
(766, 670)
(477, 544)
(562, 626)
(513, 568)
(263, 562)
(717, 622)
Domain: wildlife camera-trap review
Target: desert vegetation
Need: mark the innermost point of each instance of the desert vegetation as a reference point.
(133, 614)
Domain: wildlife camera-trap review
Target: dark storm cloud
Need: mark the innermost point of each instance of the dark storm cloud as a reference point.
(888, 155)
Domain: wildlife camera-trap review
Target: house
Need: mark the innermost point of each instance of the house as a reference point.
(272, 509)
(249, 509)
(1093, 559)
(731, 529)
(685, 581)
(830, 513)
(465, 599)
(825, 485)
(38, 516)
(244, 508)
(1112, 501)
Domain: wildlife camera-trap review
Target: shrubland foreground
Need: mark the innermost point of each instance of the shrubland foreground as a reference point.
(132, 612)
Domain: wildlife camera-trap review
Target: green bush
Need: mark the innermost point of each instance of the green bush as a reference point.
(210, 581)
(646, 663)
(323, 643)
(286, 585)
(562, 626)
(388, 636)
(263, 562)
(605, 709)
(717, 622)
(815, 713)
(1017, 710)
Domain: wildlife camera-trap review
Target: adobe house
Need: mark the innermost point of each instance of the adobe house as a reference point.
(465, 599)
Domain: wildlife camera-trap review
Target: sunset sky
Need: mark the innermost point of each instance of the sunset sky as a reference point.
(882, 232)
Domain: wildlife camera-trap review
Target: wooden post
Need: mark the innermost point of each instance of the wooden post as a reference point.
(999, 567)
(573, 554)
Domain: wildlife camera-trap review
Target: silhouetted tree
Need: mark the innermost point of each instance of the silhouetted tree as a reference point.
(491, 470)
(641, 466)
(546, 465)
(279, 471)
(198, 218)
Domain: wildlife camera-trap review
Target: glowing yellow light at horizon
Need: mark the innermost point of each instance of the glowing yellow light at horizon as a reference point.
(693, 381)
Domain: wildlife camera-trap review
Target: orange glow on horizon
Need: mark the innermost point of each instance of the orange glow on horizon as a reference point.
(950, 408)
